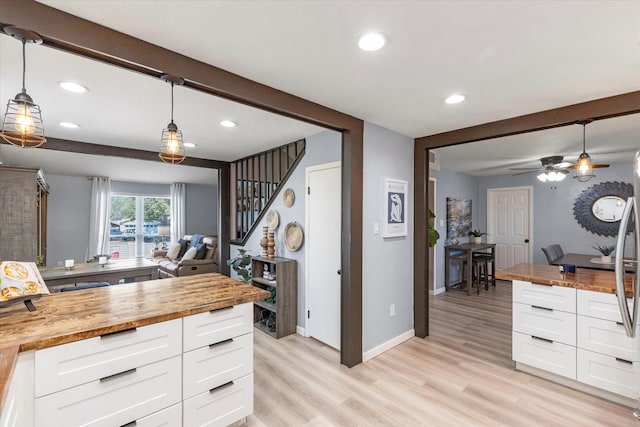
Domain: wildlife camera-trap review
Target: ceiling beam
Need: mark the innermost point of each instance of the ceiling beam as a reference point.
(603, 108)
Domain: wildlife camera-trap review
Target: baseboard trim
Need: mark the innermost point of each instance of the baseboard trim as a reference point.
(378, 350)
(301, 331)
(438, 291)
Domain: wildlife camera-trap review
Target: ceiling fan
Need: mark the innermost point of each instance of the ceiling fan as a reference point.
(584, 168)
(553, 169)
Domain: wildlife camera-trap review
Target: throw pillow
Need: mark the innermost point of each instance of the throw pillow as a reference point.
(183, 247)
(173, 251)
(202, 251)
(195, 239)
(190, 254)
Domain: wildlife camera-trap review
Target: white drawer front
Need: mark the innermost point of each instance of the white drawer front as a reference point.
(211, 366)
(607, 337)
(116, 401)
(220, 407)
(17, 410)
(554, 325)
(554, 357)
(69, 365)
(207, 328)
(607, 373)
(170, 417)
(600, 305)
(555, 297)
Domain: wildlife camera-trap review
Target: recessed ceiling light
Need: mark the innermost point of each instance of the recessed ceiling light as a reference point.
(189, 145)
(69, 125)
(73, 87)
(228, 123)
(372, 41)
(456, 98)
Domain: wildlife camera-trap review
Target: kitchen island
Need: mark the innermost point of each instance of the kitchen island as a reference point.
(567, 328)
(141, 336)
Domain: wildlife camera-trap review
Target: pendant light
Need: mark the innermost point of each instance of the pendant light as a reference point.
(22, 124)
(584, 168)
(171, 145)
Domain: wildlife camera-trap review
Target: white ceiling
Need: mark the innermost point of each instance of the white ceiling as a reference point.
(508, 58)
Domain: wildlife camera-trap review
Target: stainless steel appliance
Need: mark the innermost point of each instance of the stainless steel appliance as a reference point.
(630, 320)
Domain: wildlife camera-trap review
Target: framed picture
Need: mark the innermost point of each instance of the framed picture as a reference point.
(458, 217)
(395, 199)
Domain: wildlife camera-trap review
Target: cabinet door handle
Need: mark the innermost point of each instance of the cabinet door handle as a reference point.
(131, 424)
(111, 334)
(120, 374)
(620, 323)
(624, 361)
(541, 339)
(542, 284)
(220, 387)
(542, 308)
(220, 343)
(215, 310)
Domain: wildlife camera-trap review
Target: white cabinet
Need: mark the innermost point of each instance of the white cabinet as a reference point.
(218, 367)
(169, 417)
(18, 402)
(554, 325)
(545, 354)
(609, 373)
(547, 296)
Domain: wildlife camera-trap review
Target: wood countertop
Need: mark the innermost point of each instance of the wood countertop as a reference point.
(72, 316)
(583, 278)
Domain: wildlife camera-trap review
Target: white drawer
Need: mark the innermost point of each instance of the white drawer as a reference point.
(554, 357)
(546, 323)
(607, 337)
(555, 297)
(600, 305)
(69, 365)
(220, 407)
(607, 373)
(211, 366)
(214, 326)
(18, 400)
(114, 401)
(169, 417)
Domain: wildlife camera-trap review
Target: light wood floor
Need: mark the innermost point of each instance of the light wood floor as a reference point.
(461, 375)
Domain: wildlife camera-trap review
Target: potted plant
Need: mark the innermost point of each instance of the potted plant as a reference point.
(477, 235)
(241, 264)
(606, 251)
(433, 235)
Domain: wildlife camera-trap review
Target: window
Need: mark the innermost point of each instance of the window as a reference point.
(138, 225)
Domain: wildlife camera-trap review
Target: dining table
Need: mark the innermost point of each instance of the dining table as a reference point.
(593, 262)
(464, 250)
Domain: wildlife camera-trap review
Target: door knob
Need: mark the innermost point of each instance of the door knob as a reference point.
(526, 240)
(339, 272)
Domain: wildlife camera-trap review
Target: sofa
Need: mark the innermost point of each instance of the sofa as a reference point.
(172, 264)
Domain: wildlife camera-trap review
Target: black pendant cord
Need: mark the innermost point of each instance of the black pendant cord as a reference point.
(24, 65)
(584, 138)
(171, 102)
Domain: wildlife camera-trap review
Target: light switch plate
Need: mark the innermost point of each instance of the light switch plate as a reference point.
(376, 228)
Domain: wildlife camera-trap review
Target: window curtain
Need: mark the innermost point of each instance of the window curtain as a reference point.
(178, 208)
(99, 222)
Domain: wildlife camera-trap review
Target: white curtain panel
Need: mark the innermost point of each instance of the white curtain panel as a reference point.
(178, 207)
(99, 222)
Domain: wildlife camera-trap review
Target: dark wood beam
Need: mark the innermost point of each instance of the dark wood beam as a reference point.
(81, 37)
(224, 215)
(604, 108)
(421, 260)
(129, 153)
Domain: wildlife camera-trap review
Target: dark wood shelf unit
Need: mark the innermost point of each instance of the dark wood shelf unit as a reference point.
(283, 313)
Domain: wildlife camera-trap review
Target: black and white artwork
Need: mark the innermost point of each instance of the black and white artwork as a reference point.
(395, 224)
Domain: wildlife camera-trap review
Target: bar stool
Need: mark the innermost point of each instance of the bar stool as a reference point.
(481, 262)
(461, 259)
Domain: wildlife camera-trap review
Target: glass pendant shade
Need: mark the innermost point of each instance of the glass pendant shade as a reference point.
(22, 124)
(584, 168)
(171, 145)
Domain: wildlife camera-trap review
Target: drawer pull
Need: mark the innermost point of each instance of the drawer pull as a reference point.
(131, 424)
(541, 339)
(220, 387)
(624, 361)
(220, 309)
(114, 376)
(542, 284)
(110, 334)
(619, 323)
(542, 308)
(221, 342)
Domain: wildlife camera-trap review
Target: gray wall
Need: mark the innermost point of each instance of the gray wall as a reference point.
(553, 219)
(68, 212)
(321, 148)
(387, 264)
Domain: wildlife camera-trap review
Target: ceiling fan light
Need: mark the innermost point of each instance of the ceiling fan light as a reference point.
(543, 177)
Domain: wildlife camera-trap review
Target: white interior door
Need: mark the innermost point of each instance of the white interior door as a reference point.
(509, 224)
(323, 208)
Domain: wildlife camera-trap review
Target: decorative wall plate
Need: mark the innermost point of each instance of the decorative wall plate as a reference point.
(273, 219)
(289, 197)
(293, 236)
